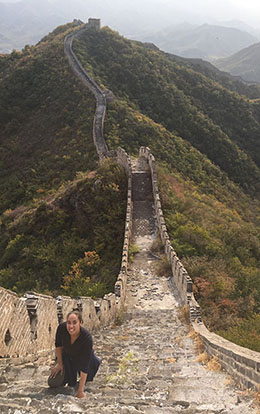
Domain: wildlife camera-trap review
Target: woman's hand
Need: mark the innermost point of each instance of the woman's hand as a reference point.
(82, 382)
(58, 367)
(80, 394)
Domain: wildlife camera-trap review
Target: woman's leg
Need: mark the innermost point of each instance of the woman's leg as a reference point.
(57, 381)
(70, 371)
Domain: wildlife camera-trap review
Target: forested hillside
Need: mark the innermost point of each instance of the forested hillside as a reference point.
(204, 135)
(56, 206)
(219, 123)
(45, 122)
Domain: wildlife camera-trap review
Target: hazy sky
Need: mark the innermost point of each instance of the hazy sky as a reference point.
(246, 10)
(203, 10)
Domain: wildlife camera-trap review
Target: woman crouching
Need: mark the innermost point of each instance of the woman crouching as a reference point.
(74, 354)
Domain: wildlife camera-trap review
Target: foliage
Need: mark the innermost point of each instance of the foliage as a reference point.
(245, 333)
(79, 280)
(133, 250)
(219, 245)
(41, 244)
(163, 267)
(228, 81)
(46, 128)
(127, 368)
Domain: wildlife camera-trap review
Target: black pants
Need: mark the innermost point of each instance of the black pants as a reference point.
(71, 370)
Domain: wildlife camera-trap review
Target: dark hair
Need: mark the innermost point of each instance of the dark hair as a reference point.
(77, 313)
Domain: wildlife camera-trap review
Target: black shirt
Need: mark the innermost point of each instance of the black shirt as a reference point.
(78, 352)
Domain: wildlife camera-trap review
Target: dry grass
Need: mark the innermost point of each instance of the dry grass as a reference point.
(163, 267)
(179, 341)
(203, 358)
(199, 345)
(229, 380)
(184, 315)
(171, 360)
(119, 319)
(256, 397)
(214, 364)
(123, 338)
(157, 246)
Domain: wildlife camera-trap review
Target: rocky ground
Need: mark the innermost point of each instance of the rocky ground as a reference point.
(149, 357)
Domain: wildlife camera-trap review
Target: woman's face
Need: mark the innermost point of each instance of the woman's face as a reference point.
(73, 324)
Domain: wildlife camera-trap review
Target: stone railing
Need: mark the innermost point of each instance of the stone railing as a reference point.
(124, 160)
(241, 363)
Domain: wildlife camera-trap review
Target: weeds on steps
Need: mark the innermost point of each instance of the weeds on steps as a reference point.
(133, 250)
(127, 369)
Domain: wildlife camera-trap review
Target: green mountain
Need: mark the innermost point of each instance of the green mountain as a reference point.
(244, 63)
(42, 143)
(203, 129)
(205, 114)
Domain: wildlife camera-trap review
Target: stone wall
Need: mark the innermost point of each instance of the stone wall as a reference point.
(100, 95)
(29, 323)
(124, 160)
(241, 363)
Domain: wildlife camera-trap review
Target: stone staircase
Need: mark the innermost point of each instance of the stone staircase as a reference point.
(149, 361)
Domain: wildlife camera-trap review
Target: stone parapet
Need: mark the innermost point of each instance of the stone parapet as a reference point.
(241, 363)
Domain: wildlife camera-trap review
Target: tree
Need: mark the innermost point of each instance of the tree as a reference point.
(79, 281)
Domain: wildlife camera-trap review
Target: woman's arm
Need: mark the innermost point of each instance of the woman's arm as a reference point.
(59, 365)
(82, 382)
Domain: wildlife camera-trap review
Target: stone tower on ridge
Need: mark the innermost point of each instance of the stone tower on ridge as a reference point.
(94, 23)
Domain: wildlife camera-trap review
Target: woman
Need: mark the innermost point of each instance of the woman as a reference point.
(74, 354)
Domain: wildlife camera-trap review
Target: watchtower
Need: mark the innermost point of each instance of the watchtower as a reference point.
(94, 23)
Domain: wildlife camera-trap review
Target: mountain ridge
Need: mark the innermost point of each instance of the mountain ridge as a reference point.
(244, 63)
(205, 41)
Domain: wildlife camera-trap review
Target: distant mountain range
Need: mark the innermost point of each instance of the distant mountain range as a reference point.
(205, 41)
(27, 21)
(245, 63)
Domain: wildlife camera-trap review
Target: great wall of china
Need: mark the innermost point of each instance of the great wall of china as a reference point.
(29, 323)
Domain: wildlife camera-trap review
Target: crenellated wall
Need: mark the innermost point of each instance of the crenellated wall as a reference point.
(241, 363)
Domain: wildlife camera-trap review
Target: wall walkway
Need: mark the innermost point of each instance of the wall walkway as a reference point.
(148, 357)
